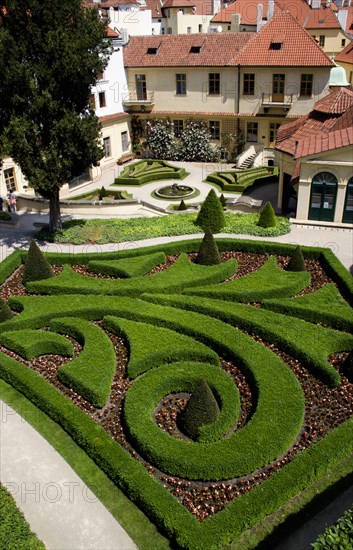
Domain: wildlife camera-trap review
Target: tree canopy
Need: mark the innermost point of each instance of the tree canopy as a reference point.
(51, 52)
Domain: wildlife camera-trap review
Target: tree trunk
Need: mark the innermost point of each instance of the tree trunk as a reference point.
(54, 212)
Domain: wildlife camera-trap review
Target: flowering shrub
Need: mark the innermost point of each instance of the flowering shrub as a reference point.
(160, 139)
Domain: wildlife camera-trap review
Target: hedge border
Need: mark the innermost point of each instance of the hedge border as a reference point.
(29, 343)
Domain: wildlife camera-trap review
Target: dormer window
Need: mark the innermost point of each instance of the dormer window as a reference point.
(195, 49)
(276, 46)
(152, 51)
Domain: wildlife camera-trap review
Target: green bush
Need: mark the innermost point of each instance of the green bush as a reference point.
(182, 205)
(5, 216)
(127, 267)
(36, 266)
(337, 537)
(30, 343)
(267, 217)
(102, 193)
(202, 408)
(9, 265)
(211, 215)
(208, 253)
(15, 532)
(5, 311)
(223, 200)
(296, 262)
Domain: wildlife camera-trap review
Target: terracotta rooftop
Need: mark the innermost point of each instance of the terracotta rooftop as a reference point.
(308, 18)
(201, 7)
(346, 55)
(178, 4)
(106, 4)
(335, 103)
(277, 44)
(112, 33)
(215, 50)
(325, 142)
(317, 122)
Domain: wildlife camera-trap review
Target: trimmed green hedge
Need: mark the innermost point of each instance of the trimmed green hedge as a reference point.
(245, 178)
(91, 373)
(30, 343)
(15, 532)
(9, 265)
(309, 343)
(182, 274)
(325, 306)
(144, 171)
(127, 267)
(269, 281)
(150, 346)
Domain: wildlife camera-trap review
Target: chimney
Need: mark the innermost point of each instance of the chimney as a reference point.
(270, 9)
(235, 22)
(259, 17)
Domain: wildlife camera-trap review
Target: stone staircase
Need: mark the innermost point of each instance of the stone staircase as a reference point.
(247, 163)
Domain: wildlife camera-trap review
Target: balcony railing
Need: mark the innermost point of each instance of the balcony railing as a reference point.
(277, 100)
(131, 99)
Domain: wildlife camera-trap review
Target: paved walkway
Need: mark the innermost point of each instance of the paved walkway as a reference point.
(59, 507)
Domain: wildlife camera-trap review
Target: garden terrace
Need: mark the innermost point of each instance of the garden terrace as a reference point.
(144, 171)
(115, 343)
(238, 180)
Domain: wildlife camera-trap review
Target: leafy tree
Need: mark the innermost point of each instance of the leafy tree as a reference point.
(208, 253)
(51, 52)
(5, 311)
(296, 263)
(267, 216)
(194, 144)
(37, 266)
(211, 215)
(202, 408)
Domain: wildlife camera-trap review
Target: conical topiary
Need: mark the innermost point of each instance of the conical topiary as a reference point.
(202, 408)
(102, 193)
(211, 215)
(182, 205)
(5, 311)
(267, 216)
(296, 263)
(208, 253)
(223, 200)
(37, 266)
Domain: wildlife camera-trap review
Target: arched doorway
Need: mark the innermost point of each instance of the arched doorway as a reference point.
(323, 197)
(348, 203)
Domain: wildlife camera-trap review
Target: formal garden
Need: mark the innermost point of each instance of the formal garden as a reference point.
(211, 381)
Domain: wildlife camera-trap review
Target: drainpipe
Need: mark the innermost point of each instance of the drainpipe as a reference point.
(238, 103)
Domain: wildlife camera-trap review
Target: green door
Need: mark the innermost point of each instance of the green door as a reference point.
(323, 197)
(348, 204)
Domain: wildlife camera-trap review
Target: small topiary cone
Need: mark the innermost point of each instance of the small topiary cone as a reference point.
(267, 216)
(37, 266)
(102, 193)
(296, 263)
(223, 200)
(182, 205)
(5, 311)
(211, 214)
(202, 408)
(208, 253)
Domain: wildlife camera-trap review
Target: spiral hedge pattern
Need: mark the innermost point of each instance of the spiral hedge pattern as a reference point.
(176, 324)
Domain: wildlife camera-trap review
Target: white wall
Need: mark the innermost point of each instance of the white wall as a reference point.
(113, 85)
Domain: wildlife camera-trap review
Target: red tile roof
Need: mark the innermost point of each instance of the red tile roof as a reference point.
(346, 55)
(336, 103)
(231, 49)
(217, 50)
(317, 122)
(178, 4)
(307, 17)
(112, 33)
(325, 142)
(299, 49)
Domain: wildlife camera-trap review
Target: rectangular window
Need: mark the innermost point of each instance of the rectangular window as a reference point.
(188, 30)
(322, 40)
(251, 131)
(178, 127)
(106, 145)
(92, 102)
(343, 42)
(214, 83)
(200, 28)
(124, 142)
(101, 97)
(180, 84)
(141, 87)
(215, 129)
(249, 84)
(306, 85)
(273, 132)
(10, 179)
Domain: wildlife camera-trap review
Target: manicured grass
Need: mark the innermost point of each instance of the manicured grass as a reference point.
(15, 532)
(134, 229)
(145, 171)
